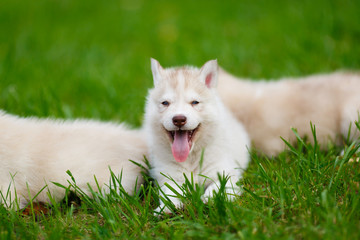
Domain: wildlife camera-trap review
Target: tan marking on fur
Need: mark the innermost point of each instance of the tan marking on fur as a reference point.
(171, 81)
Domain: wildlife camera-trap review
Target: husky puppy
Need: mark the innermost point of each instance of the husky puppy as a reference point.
(36, 152)
(269, 109)
(184, 116)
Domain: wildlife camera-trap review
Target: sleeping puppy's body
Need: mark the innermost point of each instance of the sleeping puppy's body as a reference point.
(36, 152)
(269, 109)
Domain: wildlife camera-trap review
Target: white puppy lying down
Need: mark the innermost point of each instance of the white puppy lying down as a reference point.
(184, 116)
(269, 109)
(35, 152)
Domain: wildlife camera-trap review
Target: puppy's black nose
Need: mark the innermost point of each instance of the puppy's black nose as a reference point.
(179, 120)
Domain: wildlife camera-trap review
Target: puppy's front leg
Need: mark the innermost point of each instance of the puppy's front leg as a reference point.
(170, 191)
(231, 189)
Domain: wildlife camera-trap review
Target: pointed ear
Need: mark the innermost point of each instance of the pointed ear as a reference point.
(156, 69)
(209, 73)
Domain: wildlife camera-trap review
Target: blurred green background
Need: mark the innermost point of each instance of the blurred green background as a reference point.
(90, 59)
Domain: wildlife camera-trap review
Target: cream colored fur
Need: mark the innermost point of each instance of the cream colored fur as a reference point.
(269, 109)
(40, 151)
(220, 135)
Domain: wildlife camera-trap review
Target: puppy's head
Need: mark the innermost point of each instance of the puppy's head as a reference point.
(182, 104)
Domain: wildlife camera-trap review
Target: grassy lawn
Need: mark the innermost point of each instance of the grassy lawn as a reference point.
(91, 59)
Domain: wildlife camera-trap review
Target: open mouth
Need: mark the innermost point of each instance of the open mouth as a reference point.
(182, 141)
(190, 134)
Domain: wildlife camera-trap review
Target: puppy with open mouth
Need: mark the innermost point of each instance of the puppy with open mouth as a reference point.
(184, 117)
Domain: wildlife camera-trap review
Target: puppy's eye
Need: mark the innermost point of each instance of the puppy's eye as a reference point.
(194, 102)
(165, 103)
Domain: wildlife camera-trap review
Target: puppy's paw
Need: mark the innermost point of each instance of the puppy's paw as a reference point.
(162, 209)
(209, 192)
(230, 192)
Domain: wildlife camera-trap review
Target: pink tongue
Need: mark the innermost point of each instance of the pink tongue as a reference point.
(180, 147)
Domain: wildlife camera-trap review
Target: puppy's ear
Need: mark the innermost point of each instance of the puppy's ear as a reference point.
(209, 73)
(156, 69)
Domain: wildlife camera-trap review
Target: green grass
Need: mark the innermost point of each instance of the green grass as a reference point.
(90, 59)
